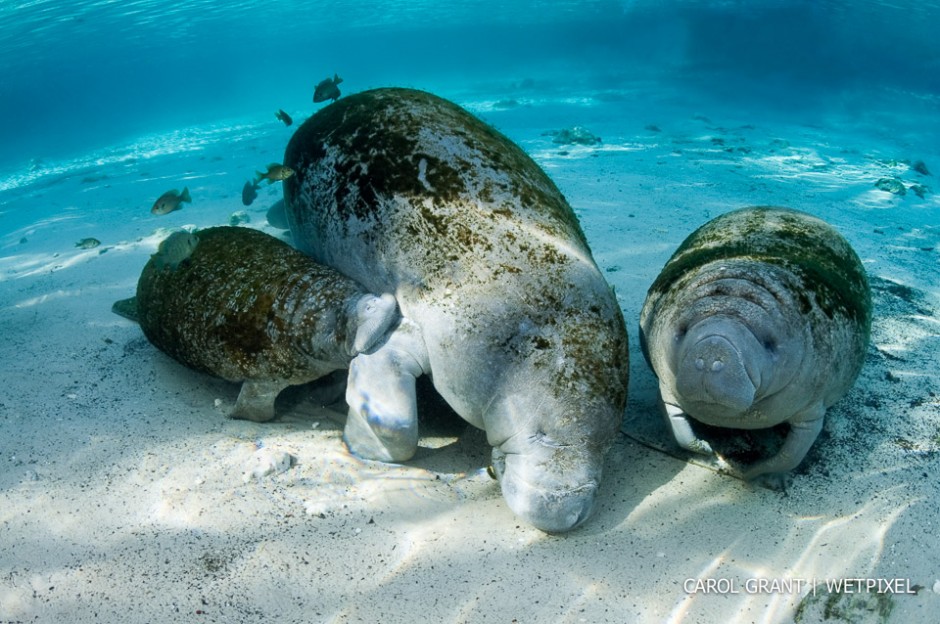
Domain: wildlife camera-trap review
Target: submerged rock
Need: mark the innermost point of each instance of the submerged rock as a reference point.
(266, 462)
(891, 185)
(576, 135)
(920, 168)
(237, 218)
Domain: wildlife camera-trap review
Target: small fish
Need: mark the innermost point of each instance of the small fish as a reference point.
(275, 173)
(327, 89)
(88, 243)
(170, 201)
(249, 192)
(280, 114)
(174, 249)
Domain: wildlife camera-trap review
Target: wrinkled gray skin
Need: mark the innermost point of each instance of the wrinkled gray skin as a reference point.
(502, 303)
(761, 317)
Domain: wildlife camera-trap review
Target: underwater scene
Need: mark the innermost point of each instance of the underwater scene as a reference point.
(523, 311)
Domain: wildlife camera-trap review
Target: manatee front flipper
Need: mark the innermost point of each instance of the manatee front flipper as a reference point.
(383, 415)
(804, 429)
(682, 430)
(256, 400)
(127, 308)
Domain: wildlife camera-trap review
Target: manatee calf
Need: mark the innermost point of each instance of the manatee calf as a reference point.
(502, 303)
(762, 316)
(244, 306)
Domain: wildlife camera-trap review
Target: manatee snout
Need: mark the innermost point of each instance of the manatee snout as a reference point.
(719, 367)
(551, 500)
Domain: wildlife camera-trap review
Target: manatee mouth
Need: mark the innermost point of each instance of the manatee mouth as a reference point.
(719, 370)
(545, 506)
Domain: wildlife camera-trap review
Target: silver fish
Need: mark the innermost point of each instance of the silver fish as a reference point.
(174, 249)
(170, 201)
(88, 243)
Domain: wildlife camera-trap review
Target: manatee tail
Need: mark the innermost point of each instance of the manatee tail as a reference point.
(184, 196)
(127, 308)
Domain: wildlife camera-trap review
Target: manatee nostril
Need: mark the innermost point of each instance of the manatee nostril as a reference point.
(717, 365)
(699, 364)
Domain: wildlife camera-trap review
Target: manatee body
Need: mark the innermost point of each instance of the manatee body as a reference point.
(244, 306)
(502, 303)
(762, 316)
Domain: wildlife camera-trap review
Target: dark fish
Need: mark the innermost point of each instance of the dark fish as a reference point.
(88, 243)
(327, 89)
(249, 192)
(275, 173)
(277, 215)
(170, 201)
(280, 114)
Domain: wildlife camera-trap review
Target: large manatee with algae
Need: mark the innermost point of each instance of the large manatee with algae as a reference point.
(502, 303)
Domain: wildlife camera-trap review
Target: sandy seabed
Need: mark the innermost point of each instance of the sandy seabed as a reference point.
(126, 495)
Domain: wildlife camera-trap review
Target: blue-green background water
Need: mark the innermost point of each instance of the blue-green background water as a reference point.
(121, 496)
(81, 74)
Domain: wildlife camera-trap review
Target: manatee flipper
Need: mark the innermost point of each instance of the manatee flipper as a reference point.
(383, 414)
(682, 430)
(804, 429)
(127, 308)
(374, 316)
(256, 400)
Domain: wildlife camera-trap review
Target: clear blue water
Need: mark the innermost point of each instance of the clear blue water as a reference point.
(76, 75)
(702, 105)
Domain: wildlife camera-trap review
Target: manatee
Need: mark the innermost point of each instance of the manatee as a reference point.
(247, 307)
(502, 303)
(762, 316)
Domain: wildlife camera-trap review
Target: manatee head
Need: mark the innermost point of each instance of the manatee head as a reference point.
(731, 351)
(535, 489)
(719, 368)
(548, 456)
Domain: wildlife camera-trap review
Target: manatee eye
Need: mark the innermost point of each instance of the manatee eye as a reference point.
(770, 345)
(681, 332)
